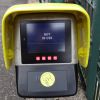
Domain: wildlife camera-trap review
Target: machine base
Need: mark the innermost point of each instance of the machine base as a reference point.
(31, 82)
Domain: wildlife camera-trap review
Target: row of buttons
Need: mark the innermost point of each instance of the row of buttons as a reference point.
(38, 58)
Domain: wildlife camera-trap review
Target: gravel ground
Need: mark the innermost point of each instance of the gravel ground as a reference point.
(7, 79)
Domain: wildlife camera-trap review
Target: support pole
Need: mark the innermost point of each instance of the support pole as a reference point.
(94, 55)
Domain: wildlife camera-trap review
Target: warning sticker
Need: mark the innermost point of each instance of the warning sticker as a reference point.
(47, 79)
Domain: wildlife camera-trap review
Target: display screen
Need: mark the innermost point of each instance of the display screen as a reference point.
(45, 41)
(45, 37)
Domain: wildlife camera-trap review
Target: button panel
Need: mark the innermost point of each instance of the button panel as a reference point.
(46, 58)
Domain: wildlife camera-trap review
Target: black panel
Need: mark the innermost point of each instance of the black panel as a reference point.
(34, 77)
(28, 80)
(30, 47)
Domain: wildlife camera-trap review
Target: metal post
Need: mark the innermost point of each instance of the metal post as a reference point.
(94, 55)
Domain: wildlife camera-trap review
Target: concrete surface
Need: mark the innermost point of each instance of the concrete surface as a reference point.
(7, 79)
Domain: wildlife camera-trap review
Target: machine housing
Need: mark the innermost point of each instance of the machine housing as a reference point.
(28, 68)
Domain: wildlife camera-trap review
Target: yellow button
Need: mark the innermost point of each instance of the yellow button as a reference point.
(47, 79)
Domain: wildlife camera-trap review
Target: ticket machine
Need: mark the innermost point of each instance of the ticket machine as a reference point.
(45, 42)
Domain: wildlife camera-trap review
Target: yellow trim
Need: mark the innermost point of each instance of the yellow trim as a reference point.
(83, 21)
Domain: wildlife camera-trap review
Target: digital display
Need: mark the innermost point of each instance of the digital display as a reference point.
(44, 37)
(45, 41)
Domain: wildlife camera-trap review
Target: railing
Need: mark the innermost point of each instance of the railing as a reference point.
(91, 75)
